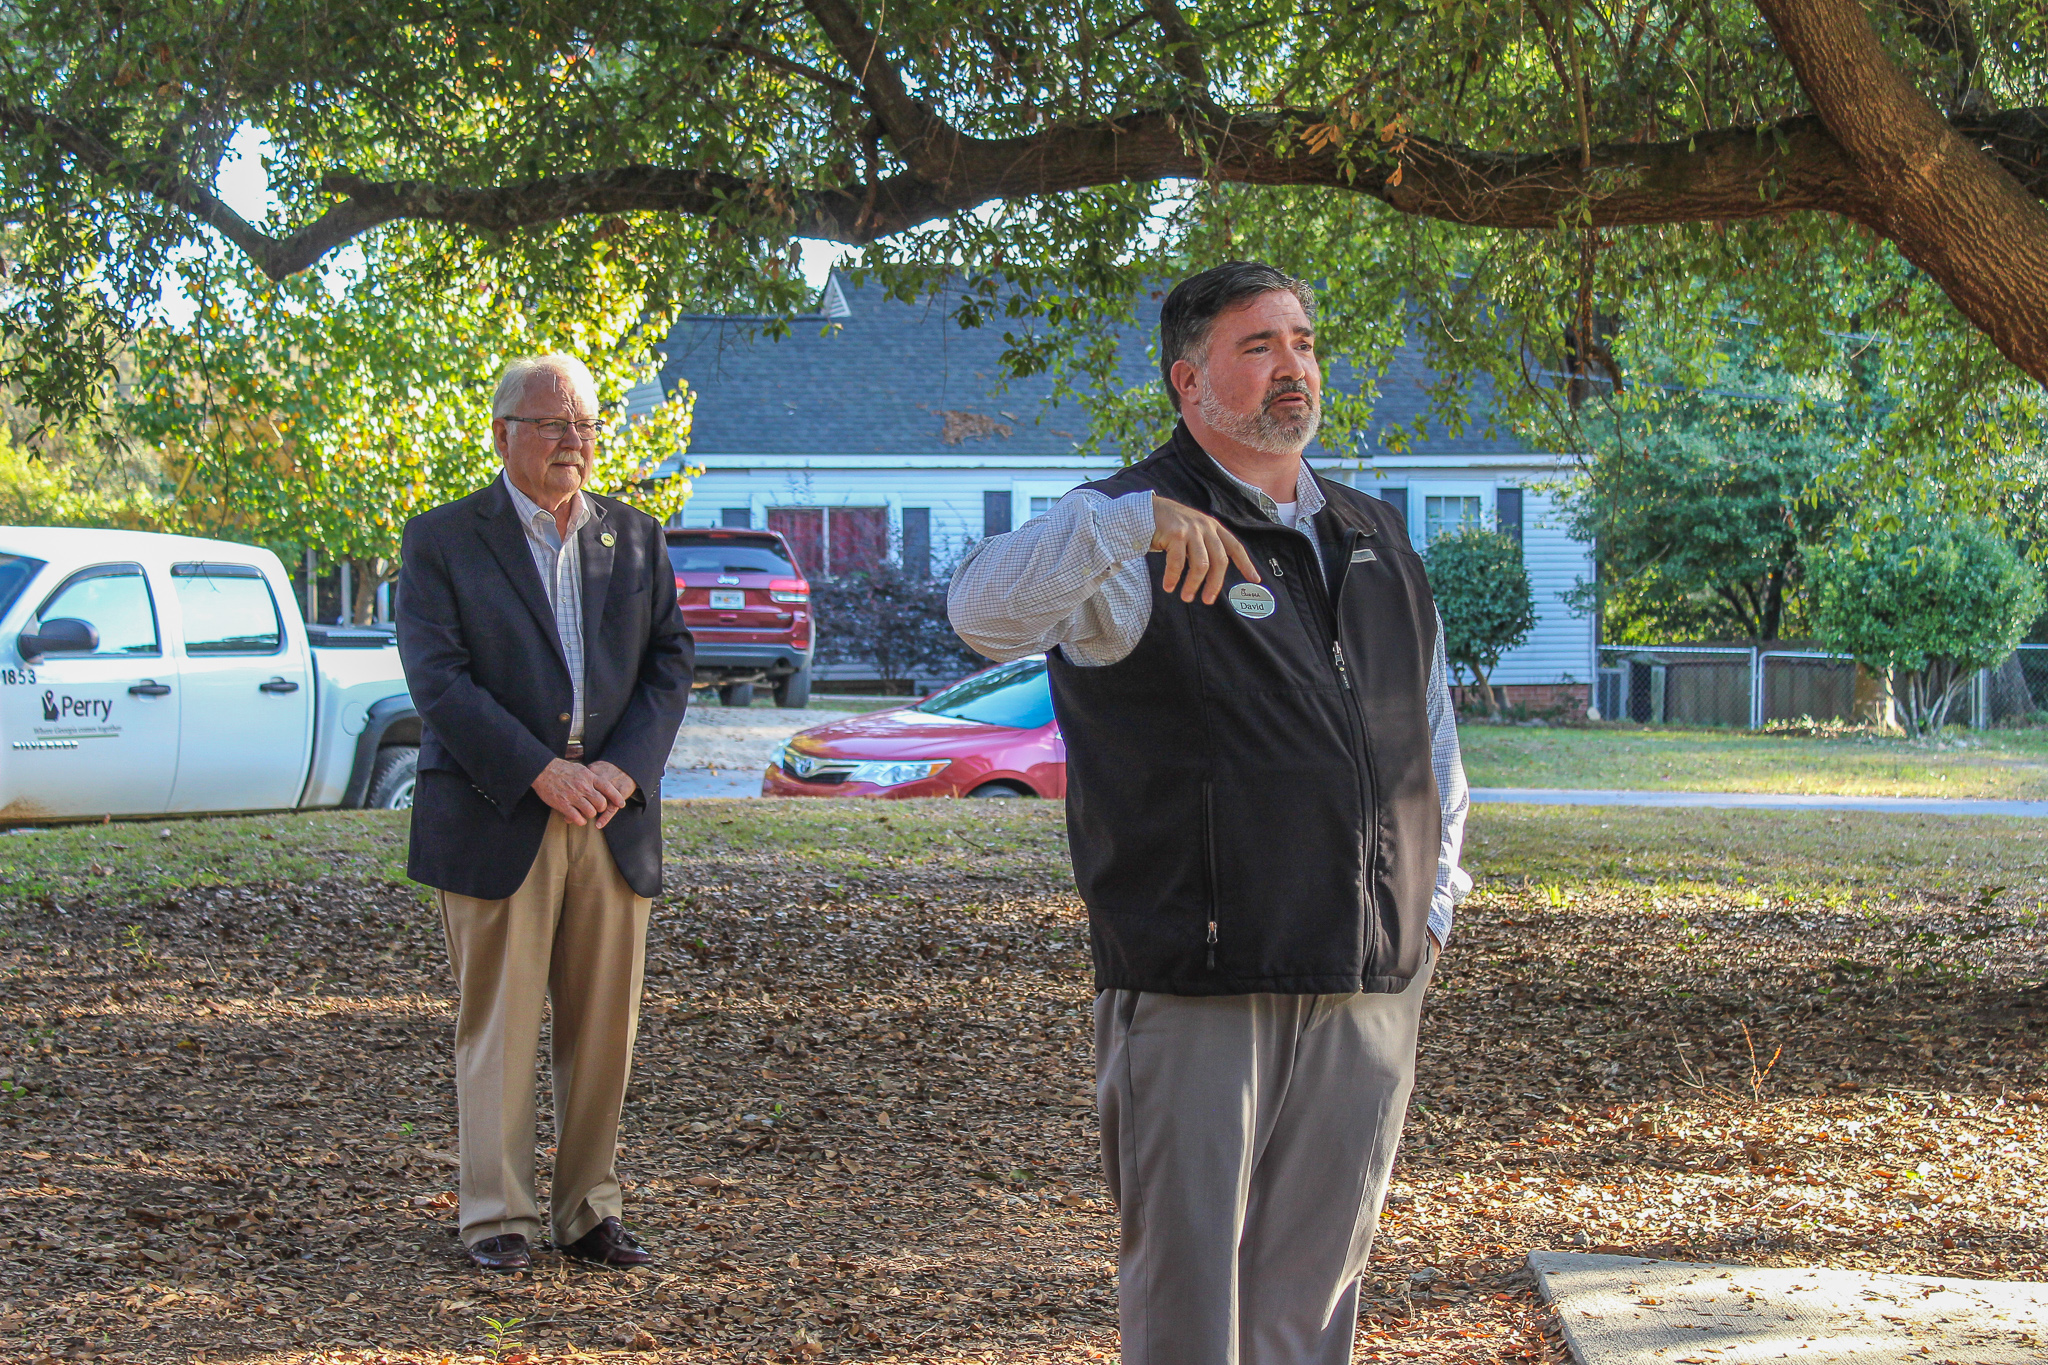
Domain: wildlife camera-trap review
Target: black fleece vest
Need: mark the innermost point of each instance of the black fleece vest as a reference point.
(1250, 801)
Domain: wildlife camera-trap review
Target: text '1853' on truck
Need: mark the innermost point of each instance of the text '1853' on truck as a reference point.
(145, 674)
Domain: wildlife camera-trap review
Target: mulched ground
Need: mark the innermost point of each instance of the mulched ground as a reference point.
(862, 1124)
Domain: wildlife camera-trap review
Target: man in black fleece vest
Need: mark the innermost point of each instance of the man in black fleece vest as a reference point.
(1265, 806)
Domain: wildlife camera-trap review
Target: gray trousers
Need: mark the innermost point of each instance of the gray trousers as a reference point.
(1247, 1141)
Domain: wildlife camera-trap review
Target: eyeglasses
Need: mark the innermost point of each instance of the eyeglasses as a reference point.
(555, 428)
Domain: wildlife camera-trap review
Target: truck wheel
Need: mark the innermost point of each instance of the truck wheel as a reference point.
(794, 691)
(737, 694)
(392, 780)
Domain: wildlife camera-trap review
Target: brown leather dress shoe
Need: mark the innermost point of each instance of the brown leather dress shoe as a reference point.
(508, 1251)
(608, 1244)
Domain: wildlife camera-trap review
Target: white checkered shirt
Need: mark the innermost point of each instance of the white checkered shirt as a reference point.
(560, 563)
(1075, 578)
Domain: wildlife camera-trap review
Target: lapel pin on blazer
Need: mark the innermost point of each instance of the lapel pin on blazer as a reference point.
(607, 540)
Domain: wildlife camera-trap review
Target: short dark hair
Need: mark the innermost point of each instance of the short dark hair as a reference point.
(1197, 301)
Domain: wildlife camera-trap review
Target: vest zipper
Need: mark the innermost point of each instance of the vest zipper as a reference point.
(1361, 758)
(1278, 572)
(1209, 853)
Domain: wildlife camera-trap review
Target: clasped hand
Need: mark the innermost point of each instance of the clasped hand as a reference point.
(585, 792)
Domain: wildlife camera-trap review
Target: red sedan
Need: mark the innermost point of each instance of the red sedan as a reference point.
(989, 735)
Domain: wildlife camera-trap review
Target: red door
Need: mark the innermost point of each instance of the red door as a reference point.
(860, 538)
(804, 529)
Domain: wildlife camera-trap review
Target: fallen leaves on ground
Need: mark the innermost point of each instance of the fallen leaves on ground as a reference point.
(861, 1126)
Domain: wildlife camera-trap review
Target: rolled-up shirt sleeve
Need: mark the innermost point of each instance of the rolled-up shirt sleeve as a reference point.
(1453, 882)
(1072, 578)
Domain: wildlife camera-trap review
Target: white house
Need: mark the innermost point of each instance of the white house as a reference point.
(878, 427)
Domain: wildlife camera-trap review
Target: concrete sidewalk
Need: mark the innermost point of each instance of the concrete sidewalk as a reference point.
(692, 783)
(1561, 796)
(1622, 1310)
(698, 782)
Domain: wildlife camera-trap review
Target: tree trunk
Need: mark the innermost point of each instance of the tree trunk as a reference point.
(368, 575)
(1772, 619)
(1486, 692)
(1950, 209)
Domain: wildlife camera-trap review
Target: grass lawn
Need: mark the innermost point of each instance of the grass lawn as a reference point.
(1996, 764)
(861, 1126)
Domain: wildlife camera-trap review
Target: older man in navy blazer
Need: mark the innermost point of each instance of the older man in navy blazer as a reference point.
(542, 644)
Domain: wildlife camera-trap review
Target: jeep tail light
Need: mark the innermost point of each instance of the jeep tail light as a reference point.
(788, 590)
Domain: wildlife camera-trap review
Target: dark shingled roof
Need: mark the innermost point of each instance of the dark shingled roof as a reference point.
(884, 377)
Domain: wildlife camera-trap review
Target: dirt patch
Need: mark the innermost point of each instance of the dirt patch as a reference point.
(861, 1126)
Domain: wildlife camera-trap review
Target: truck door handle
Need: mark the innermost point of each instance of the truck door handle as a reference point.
(149, 687)
(277, 685)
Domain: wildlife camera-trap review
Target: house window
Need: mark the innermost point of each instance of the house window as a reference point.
(1443, 516)
(1396, 498)
(1040, 506)
(740, 517)
(917, 541)
(828, 541)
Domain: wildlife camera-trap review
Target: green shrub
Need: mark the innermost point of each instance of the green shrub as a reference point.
(1482, 592)
(1926, 604)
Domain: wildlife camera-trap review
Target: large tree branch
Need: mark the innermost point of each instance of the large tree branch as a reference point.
(1183, 47)
(170, 186)
(1728, 174)
(1796, 165)
(922, 138)
(1954, 212)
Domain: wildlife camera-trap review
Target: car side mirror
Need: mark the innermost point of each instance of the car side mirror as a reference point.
(59, 635)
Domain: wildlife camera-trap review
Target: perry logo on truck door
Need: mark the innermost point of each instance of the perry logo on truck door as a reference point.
(75, 715)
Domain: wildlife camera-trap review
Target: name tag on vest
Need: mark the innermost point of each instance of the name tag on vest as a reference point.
(1363, 556)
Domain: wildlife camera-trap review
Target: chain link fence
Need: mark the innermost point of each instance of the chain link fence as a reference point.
(2017, 690)
(1742, 687)
(1732, 686)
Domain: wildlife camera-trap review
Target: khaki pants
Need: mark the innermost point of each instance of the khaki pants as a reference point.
(1248, 1140)
(574, 934)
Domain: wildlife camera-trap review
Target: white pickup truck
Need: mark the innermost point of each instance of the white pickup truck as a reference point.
(145, 674)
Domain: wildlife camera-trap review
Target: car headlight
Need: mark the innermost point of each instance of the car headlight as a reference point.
(895, 774)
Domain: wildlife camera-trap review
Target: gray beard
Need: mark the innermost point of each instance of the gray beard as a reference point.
(1261, 430)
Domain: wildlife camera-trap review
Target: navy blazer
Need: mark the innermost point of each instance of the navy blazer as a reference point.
(485, 666)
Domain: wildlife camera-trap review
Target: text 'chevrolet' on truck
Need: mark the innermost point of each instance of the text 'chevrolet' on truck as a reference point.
(146, 674)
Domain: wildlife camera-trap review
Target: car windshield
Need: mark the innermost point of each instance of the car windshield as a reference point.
(1016, 695)
(15, 572)
(731, 556)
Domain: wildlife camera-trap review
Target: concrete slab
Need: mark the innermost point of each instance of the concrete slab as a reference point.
(1623, 1310)
(1564, 796)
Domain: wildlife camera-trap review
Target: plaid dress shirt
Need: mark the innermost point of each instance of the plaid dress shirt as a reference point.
(560, 563)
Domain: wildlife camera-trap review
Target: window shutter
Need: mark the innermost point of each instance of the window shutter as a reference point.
(1507, 512)
(995, 512)
(1397, 498)
(917, 541)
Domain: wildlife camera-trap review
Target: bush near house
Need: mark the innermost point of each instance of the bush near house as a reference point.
(890, 618)
(1482, 592)
(1926, 603)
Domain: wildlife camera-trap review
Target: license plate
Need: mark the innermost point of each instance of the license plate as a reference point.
(730, 599)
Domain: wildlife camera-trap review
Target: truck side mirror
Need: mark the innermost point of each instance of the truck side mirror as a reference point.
(59, 635)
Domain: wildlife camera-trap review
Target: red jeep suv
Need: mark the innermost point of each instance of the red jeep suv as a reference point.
(750, 609)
